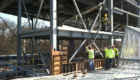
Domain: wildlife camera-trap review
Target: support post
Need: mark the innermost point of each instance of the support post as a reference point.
(71, 47)
(53, 24)
(18, 31)
(127, 19)
(138, 19)
(110, 17)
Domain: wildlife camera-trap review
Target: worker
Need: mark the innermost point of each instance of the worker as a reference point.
(104, 22)
(105, 59)
(90, 51)
(110, 55)
(116, 54)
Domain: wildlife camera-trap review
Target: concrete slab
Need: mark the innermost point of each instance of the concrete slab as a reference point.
(119, 73)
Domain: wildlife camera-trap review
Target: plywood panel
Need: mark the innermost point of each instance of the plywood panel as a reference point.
(64, 48)
(56, 68)
(57, 58)
(56, 72)
(57, 63)
(64, 62)
(64, 52)
(64, 57)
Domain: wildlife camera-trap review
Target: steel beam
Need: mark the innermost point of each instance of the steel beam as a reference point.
(138, 19)
(5, 4)
(94, 21)
(137, 6)
(18, 31)
(80, 14)
(38, 12)
(26, 14)
(42, 59)
(126, 12)
(110, 17)
(53, 23)
(77, 50)
(34, 33)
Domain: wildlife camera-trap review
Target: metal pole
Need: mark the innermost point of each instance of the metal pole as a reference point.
(80, 14)
(18, 31)
(126, 12)
(53, 24)
(39, 12)
(110, 17)
(132, 3)
(127, 19)
(94, 21)
(71, 47)
(26, 13)
(42, 59)
(77, 50)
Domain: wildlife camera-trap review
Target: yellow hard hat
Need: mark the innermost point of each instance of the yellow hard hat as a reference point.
(105, 15)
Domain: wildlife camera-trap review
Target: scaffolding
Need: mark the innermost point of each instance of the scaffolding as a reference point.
(48, 10)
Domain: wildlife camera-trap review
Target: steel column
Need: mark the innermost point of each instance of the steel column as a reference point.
(18, 31)
(53, 23)
(71, 47)
(138, 19)
(127, 19)
(110, 17)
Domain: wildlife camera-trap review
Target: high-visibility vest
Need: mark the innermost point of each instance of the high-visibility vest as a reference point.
(90, 53)
(105, 52)
(110, 53)
(116, 51)
(105, 20)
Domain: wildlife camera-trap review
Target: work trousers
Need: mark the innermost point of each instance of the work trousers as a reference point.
(116, 57)
(104, 65)
(91, 64)
(109, 63)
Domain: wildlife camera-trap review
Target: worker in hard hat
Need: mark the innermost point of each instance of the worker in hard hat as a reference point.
(105, 59)
(110, 55)
(104, 23)
(90, 51)
(116, 54)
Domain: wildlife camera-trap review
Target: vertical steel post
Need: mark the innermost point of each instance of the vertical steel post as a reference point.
(138, 19)
(127, 19)
(53, 23)
(31, 39)
(71, 47)
(18, 31)
(110, 17)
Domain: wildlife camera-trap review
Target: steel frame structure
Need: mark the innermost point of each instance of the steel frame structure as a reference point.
(54, 32)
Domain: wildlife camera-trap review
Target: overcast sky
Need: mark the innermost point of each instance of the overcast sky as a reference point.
(14, 19)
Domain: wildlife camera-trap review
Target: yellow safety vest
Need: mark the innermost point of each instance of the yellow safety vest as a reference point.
(90, 53)
(116, 51)
(110, 53)
(106, 52)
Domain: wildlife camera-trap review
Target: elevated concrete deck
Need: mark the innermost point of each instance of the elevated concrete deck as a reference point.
(119, 73)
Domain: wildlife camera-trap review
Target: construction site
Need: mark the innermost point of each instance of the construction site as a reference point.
(54, 41)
